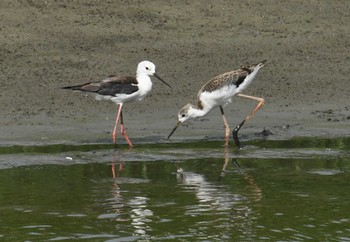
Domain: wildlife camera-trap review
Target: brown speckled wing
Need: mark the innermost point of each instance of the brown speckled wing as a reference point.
(225, 79)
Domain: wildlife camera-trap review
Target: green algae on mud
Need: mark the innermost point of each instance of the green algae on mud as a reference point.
(341, 143)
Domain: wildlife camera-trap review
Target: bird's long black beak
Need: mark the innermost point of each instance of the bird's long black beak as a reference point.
(177, 125)
(161, 80)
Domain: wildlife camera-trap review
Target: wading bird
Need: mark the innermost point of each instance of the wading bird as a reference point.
(122, 89)
(218, 92)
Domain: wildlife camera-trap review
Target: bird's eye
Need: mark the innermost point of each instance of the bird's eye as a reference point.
(147, 68)
(183, 115)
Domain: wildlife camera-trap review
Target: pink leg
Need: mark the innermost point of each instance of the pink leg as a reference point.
(249, 116)
(120, 168)
(116, 123)
(113, 170)
(227, 127)
(122, 130)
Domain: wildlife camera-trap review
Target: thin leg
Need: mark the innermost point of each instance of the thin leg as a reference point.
(122, 130)
(120, 168)
(226, 159)
(227, 127)
(249, 116)
(235, 163)
(113, 170)
(116, 123)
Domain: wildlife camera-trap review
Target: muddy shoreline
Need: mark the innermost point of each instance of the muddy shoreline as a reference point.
(47, 44)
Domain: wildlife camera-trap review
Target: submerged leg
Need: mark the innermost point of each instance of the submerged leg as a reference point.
(249, 116)
(116, 124)
(227, 127)
(122, 130)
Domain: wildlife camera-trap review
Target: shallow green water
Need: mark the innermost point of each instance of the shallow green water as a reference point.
(295, 190)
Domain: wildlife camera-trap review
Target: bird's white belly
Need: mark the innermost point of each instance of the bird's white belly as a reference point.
(219, 97)
(120, 98)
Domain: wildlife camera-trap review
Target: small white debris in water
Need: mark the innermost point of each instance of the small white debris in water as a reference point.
(69, 158)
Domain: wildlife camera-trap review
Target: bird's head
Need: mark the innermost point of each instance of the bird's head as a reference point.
(148, 68)
(184, 114)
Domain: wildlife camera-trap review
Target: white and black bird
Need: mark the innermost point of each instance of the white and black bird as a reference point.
(122, 89)
(218, 92)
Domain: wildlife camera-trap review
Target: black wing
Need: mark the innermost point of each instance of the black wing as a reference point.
(109, 87)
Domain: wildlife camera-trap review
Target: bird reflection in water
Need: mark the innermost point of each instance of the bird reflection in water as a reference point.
(257, 192)
(121, 163)
(119, 202)
(213, 192)
(133, 209)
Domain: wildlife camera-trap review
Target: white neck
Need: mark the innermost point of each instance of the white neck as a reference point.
(195, 112)
(248, 80)
(144, 84)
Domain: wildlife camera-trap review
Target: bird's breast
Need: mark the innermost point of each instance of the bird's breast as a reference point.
(219, 97)
(145, 86)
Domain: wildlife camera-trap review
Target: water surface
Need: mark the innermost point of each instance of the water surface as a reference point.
(295, 190)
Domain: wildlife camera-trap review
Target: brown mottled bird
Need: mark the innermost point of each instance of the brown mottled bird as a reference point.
(218, 92)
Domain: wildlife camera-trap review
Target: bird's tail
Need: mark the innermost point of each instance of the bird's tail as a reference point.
(76, 87)
(252, 67)
(260, 64)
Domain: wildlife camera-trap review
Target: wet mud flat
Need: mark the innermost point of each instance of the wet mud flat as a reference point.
(47, 44)
(19, 155)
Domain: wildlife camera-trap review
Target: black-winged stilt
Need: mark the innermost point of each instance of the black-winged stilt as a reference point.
(122, 89)
(218, 92)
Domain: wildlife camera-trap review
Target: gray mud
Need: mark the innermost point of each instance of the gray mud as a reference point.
(49, 44)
